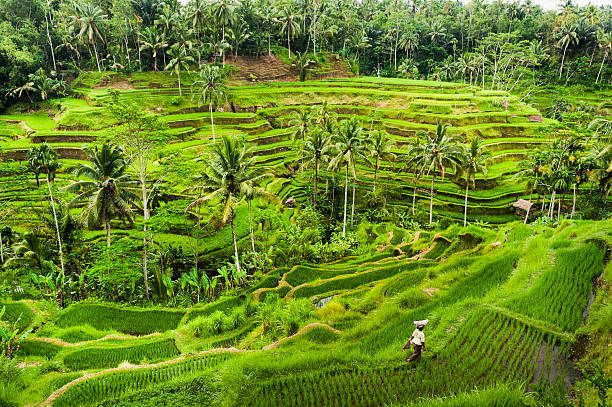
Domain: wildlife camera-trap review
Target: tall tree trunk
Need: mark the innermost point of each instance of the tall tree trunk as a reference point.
(527, 214)
(574, 203)
(345, 200)
(145, 251)
(1, 248)
(179, 82)
(49, 35)
(559, 210)
(551, 208)
(59, 239)
(353, 204)
(250, 206)
(431, 193)
(375, 170)
(223, 48)
(288, 43)
(562, 61)
(414, 196)
(601, 67)
(96, 52)
(543, 203)
(212, 122)
(467, 185)
(316, 180)
(107, 227)
(235, 244)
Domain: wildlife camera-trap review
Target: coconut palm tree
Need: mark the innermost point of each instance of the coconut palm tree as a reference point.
(211, 89)
(473, 162)
(316, 148)
(252, 191)
(151, 39)
(223, 12)
(108, 190)
(303, 64)
(180, 61)
(90, 20)
(237, 34)
(299, 123)
(32, 250)
(348, 144)
(567, 37)
(323, 114)
(290, 25)
(379, 146)
(438, 152)
(49, 164)
(229, 176)
(604, 41)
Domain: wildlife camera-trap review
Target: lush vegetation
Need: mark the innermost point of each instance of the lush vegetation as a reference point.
(203, 203)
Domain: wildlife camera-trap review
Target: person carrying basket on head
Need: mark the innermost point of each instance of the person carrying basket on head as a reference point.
(418, 340)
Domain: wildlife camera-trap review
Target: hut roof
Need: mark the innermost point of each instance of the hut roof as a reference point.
(523, 204)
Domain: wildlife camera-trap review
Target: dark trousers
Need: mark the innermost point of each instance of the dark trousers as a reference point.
(417, 353)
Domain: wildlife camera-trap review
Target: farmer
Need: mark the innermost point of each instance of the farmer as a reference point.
(418, 340)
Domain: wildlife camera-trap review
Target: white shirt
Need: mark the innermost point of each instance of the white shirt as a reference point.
(418, 337)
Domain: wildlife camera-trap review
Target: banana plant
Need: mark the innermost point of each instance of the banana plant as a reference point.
(225, 273)
(194, 280)
(169, 284)
(205, 284)
(213, 285)
(9, 336)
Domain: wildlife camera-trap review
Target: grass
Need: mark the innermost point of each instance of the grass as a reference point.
(127, 320)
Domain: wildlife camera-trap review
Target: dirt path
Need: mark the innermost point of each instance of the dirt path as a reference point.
(60, 342)
(300, 333)
(67, 386)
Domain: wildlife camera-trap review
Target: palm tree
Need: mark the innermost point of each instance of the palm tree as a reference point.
(224, 14)
(49, 164)
(473, 162)
(109, 189)
(299, 123)
(146, 9)
(379, 146)
(348, 146)
(303, 64)
(323, 113)
(290, 25)
(238, 34)
(566, 37)
(439, 151)
(211, 89)
(316, 148)
(605, 42)
(32, 251)
(229, 176)
(180, 61)
(437, 31)
(151, 39)
(252, 191)
(409, 42)
(90, 19)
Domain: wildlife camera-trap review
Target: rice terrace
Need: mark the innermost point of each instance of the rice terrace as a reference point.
(305, 203)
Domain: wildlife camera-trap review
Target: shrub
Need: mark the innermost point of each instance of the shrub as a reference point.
(412, 298)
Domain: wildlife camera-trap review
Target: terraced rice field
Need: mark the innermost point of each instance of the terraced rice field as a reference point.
(472, 287)
(261, 114)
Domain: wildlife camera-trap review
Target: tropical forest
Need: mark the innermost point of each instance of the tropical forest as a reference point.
(306, 203)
